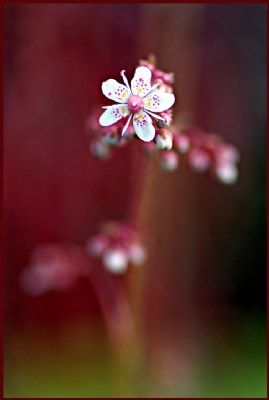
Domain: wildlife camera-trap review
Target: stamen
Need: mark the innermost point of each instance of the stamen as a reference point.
(154, 87)
(125, 79)
(126, 125)
(155, 115)
(115, 105)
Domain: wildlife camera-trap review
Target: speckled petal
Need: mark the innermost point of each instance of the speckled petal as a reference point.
(158, 101)
(113, 114)
(143, 126)
(114, 90)
(140, 83)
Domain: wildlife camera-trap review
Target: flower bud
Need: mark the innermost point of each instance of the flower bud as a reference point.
(169, 160)
(49, 269)
(164, 140)
(227, 153)
(96, 245)
(111, 138)
(100, 150)
(137, 254)
(167, 115)
(199, 160)
(227, 173)
(115, 260)
(167, 77)
(182, 143)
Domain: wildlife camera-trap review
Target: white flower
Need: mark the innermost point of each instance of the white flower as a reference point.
(140, 102)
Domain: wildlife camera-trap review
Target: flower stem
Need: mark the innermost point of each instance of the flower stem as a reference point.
(143, 186)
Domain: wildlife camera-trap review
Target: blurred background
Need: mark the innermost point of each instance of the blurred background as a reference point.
(204, 330)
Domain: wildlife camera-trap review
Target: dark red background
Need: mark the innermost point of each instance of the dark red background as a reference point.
(210, 238)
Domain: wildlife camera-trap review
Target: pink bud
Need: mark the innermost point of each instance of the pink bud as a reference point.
(227, 153)
(97, 245)
(137, 254)
(199, 160)
(182, 143)
(51, 268)
(169, 160)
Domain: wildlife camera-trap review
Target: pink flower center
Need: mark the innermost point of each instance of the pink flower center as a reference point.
(135, 104)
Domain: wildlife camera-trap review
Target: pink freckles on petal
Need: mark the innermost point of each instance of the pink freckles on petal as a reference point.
(115, 113)
(140, 82)
(141, 122)
(156, 100)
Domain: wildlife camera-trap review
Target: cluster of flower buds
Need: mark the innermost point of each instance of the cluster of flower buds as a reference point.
(207, 152)
(117, 245)
(53, 267)
(57, 267)
(167, 78)
(200, 150)
(105, 139)
(148, 104)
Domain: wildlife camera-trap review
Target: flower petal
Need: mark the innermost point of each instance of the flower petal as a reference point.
(114, 90)
(113, 114)
(158, 101)
(140, 83)
(143, 126)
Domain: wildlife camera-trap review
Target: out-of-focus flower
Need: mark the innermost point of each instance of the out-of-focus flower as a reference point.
(199, 159)
(182, 143)
(207, 152)
(97, 245)
(115, 260)
(137, 253)
(51, 268)
(227, 153)
(118, 245)
(169, 160)
(227, 173)
(225, 167)
(100, 150)
(140, 102)
(111, 137)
